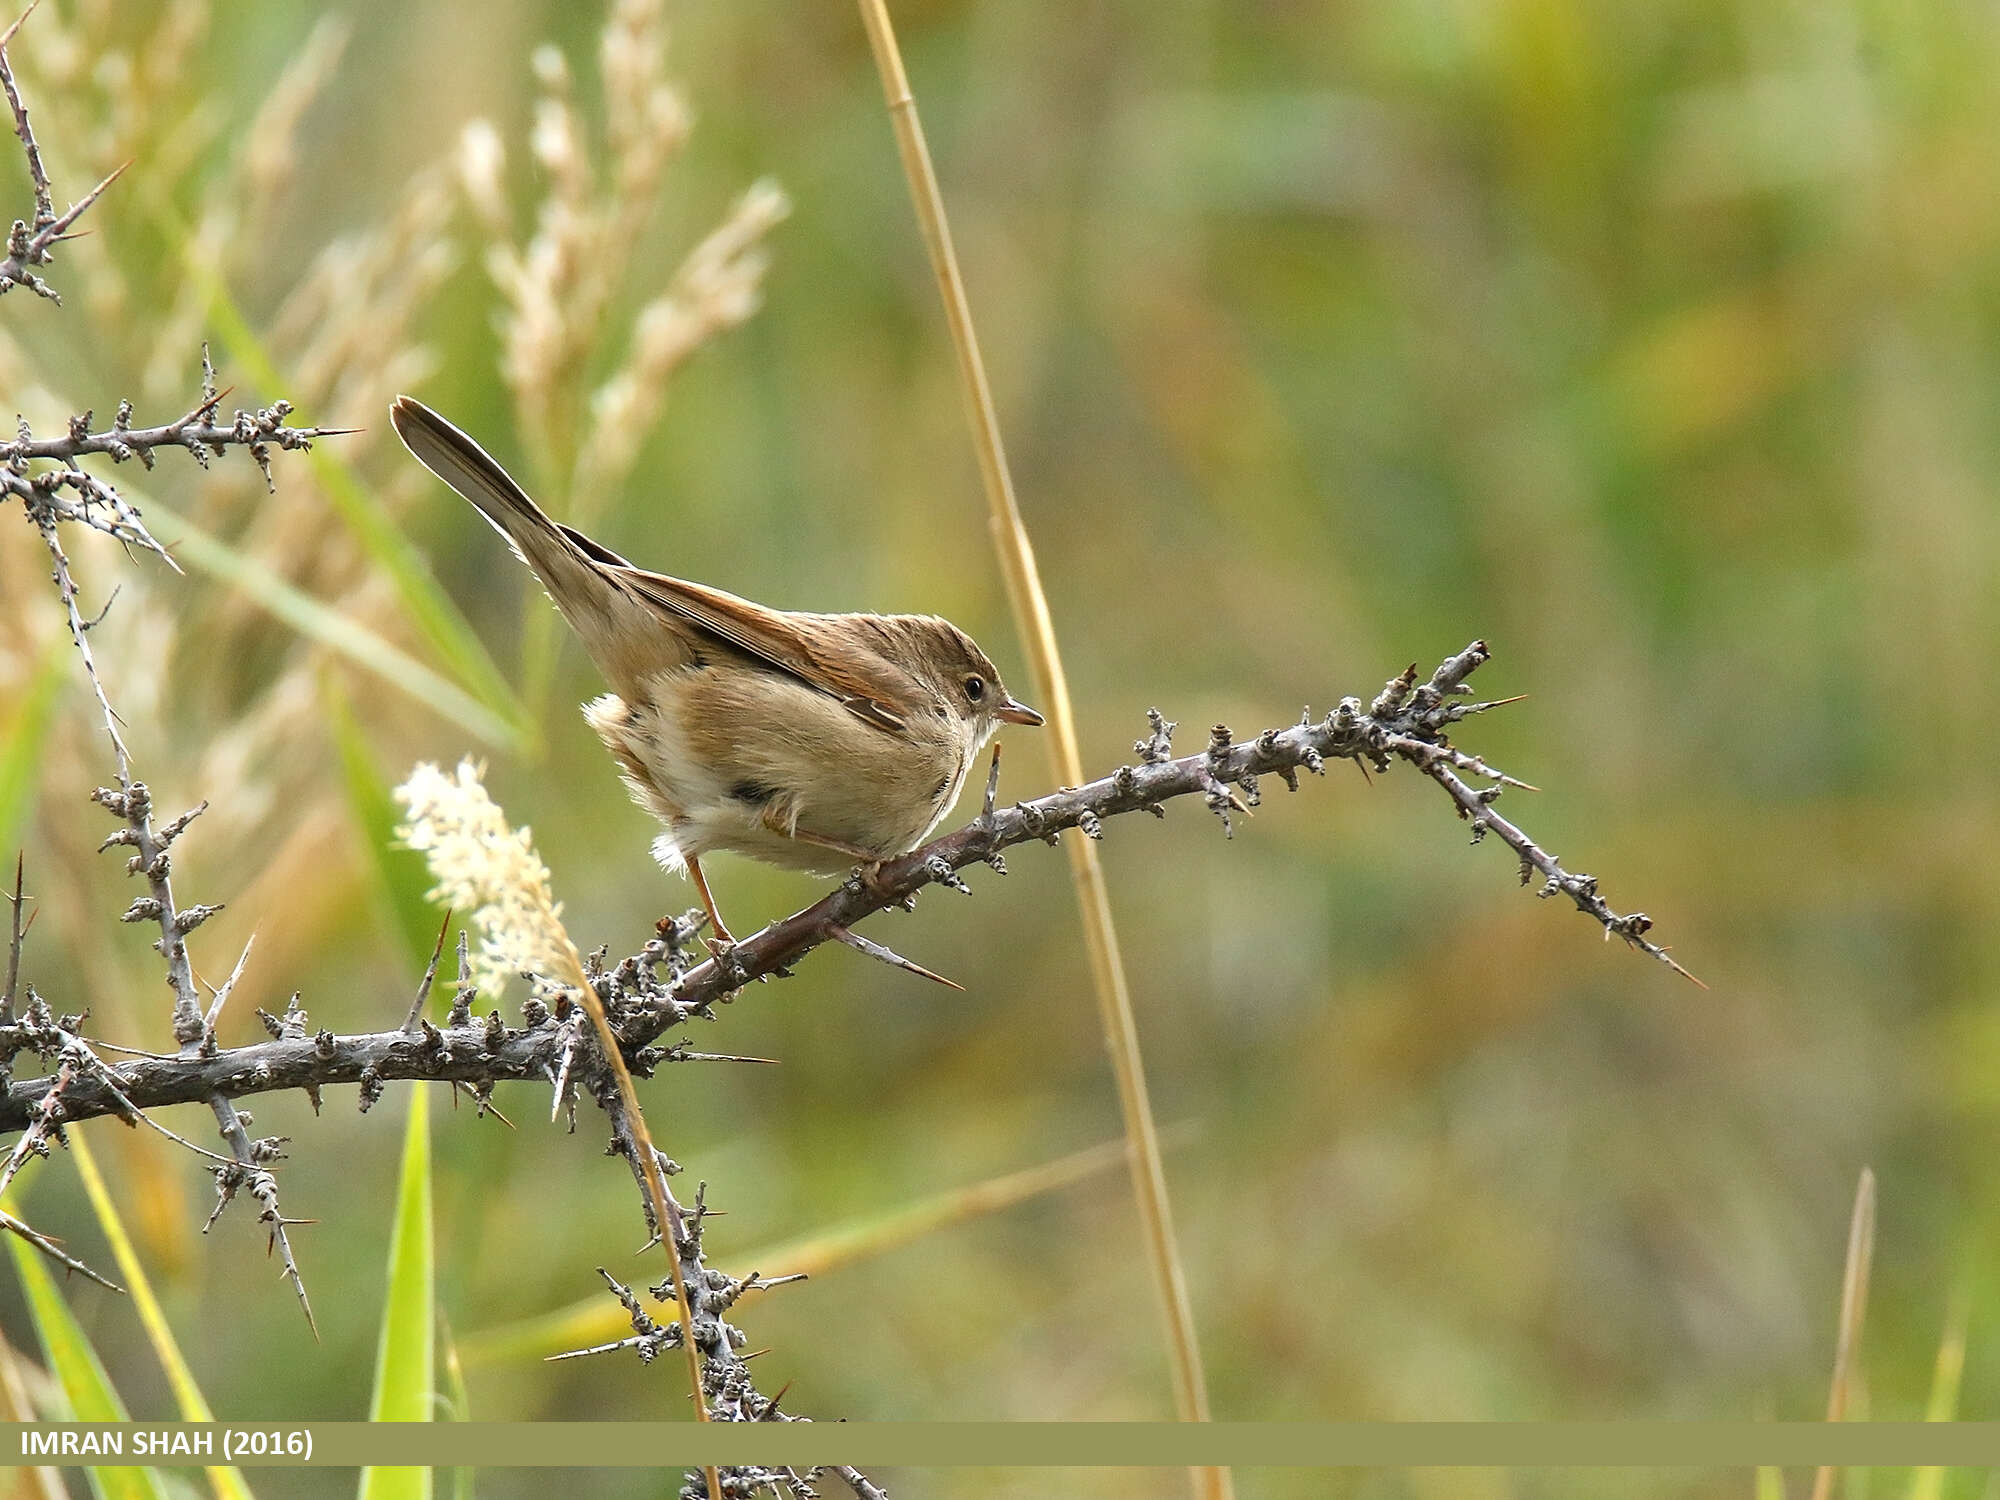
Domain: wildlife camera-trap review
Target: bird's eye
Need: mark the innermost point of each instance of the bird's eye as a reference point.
(975, 688)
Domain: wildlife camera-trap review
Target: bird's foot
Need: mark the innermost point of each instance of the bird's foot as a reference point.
(868, 875)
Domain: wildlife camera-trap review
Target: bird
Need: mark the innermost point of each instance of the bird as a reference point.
(818, 742)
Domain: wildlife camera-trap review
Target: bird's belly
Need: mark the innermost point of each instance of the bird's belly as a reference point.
(749, 762)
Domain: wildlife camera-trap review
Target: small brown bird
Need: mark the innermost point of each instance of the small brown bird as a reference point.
(812, 741)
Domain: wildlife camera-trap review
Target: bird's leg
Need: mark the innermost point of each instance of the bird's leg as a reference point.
(722, 938)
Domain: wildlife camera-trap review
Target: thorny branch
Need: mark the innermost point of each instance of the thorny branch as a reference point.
(659, 988)
(98, 504)
(131, 801)
(34, 244)
(70, 493)
(727, 1385)
(65, 491)
(1407, 720)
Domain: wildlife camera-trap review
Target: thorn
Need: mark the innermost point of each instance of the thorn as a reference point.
(1668, 960)
(52, 1248)
(20, 932)
(305, 1306)
(222, 995)
(889, 956)
(480, 1106)
(725, 1057)
(992, 785)
(98, 619)
(938, 868)
(4, 40)
(175, 829)
(430, 974)
(76, 209)
(560, 1080)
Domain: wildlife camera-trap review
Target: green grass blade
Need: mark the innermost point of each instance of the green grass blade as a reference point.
(429, 607)
(226, 1481)
(1770, 1483)
(595, 1320)
(402, 880)
(74, 1363)
(21, 745)
(458, 1400)
(405, 1378)
(1928, 1482)
(328, 626)
(422, 596)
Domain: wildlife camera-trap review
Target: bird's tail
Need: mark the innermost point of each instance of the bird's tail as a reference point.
(571, 566)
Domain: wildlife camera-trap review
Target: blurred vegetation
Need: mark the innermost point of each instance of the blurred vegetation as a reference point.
(1659, 345)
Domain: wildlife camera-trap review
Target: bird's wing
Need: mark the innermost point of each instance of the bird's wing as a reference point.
(866, 683)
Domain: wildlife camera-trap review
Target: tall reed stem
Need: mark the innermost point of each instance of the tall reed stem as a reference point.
(1038, 641)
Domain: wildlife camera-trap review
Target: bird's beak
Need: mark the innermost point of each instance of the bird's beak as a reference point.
(1015, 712)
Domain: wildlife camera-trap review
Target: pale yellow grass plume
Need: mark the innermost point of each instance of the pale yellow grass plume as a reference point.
(557, 288)
(482, 157)
(484, 865)
(717, 287)
(345, 333)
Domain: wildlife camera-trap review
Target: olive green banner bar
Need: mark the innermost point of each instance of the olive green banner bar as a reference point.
(1011, 1444)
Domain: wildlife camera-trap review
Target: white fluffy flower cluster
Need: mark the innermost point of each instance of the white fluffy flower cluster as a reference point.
(485, 866)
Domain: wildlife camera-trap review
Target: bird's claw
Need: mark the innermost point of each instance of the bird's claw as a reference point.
(868, 876)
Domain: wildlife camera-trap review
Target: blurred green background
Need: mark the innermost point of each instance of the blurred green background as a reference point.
(1659, 345)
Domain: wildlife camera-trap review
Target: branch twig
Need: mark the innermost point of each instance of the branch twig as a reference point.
(69, 492)
(98, 504)
(33, 244)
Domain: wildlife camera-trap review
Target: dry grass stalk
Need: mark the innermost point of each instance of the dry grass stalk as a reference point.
(1031, 615)
(1853, 1314)
(20, 1407)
